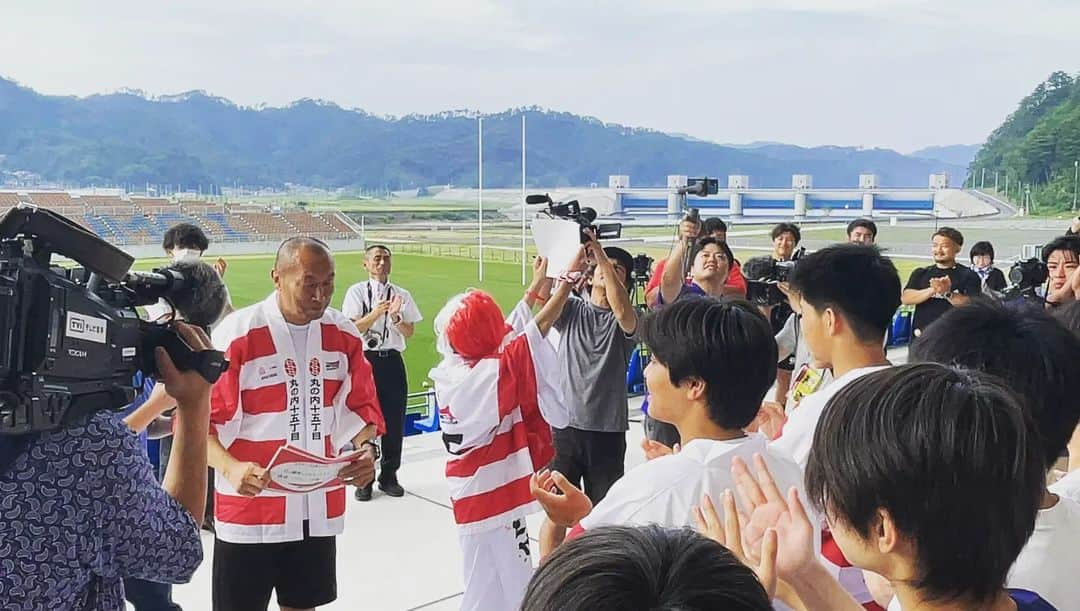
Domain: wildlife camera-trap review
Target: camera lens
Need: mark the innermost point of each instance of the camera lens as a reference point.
(372, 342)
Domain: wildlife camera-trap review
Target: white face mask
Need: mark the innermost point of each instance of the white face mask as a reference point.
(186, 255)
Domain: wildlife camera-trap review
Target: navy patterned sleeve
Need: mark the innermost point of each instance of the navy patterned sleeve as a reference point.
(150, 535)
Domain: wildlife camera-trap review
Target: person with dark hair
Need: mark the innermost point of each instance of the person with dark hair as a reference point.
(644, 568)
(297, 376)
(386, 314)
(598, 335)
(945, 284)
(713, 227)
(982, 263)
(1062, 259)
(862, 231)
(1040, 361)
(712, 363)
(83, 510)
(785, 237)
(1069, 485)
(927, 474)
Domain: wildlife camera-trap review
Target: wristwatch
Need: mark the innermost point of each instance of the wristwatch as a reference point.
(374, 448)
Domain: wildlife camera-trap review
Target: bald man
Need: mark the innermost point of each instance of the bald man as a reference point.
(297, 376)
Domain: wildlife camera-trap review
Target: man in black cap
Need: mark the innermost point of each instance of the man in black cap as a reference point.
(598, 334)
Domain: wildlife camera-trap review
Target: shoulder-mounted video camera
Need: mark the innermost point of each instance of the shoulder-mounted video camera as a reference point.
(71, 340)
(1024, 278)
(764, 275)
(583, 216)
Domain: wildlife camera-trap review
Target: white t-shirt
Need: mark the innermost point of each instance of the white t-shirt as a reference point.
(361, 297)
(798, 433)
(1068, 486)
(1049, 563)
(665, 490)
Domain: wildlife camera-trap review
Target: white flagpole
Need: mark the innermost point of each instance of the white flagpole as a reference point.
(480, 199)
(523, 209)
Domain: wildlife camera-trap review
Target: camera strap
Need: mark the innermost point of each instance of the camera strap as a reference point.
(370, 305)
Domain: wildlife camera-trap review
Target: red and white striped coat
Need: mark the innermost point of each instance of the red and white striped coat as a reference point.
(496, 415)
(268, 398)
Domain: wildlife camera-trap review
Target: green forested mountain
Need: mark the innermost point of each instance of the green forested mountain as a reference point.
(197, 140)
(1038, 145)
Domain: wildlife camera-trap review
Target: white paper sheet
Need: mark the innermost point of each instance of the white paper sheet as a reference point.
(559, 241)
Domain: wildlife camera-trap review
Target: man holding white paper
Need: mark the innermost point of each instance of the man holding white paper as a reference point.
(297, 376)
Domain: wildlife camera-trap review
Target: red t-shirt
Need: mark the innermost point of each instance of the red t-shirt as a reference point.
(735, 279)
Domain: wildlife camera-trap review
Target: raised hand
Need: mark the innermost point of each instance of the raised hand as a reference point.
(727, 532)
(769, 421)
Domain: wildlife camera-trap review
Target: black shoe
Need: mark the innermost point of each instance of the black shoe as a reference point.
(364, 494)
(392, 489)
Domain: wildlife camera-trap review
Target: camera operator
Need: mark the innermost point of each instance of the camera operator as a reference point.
(598, 337)
(934, 289)
(785, 237)
(709, 271)
(387, 315)
(735, 283)
(1062, 258)
(90, 488)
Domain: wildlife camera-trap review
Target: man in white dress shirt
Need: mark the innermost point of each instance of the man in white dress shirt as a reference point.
(387, 315)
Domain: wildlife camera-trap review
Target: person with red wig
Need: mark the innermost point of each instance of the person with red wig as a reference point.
(498, 392)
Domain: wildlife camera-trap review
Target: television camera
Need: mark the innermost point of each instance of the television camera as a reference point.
(1024, 278)
(71, 340)
(583, 216)
(764, 275)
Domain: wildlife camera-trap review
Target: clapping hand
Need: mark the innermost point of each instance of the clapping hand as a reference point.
(727, 532)
(220, 266)
(394, 307)
(769, 421)
(565, 509)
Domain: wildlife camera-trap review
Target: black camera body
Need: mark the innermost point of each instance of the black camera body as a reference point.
(573, 211)
(71, 340)
(764, 275)
(642, 270)
(1024, 278)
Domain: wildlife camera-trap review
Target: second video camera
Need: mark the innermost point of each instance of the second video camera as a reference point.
(583, 216)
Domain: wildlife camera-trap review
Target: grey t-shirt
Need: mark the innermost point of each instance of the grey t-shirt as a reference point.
(594, 352)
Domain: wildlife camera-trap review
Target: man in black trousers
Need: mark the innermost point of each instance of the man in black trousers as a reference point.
(387, 315)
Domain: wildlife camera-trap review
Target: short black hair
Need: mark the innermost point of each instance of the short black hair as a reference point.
(952, 234)
(185, 235)
(1070, 243)
(855, 279)
(949, 454)
(712, 224)
(624, 259)
(649, 567)
(721, 244)
(980, 249)
(791, 228)
(867, 224)
(1069, 315)
(727, 344)
(379, 246)
(1036, 355)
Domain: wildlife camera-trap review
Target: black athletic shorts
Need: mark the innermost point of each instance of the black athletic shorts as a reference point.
(304, 574)
(594, 458)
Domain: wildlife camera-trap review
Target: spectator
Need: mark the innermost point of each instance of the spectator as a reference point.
(186, 243)
(912, 466)
(83, 509)
(386, 315)
(712, 363)
(982, 263)
(290, 344)
(785, 237)
(644, 568)
(1040, 361)
(735, 284)
(1062, 258)
(597, 339)
(499, 396)
(943, 285)
(862, 231)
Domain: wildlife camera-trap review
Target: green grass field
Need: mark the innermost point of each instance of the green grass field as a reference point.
(430, 280)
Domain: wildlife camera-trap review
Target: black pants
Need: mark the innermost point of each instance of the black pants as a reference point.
(392, 386)
(596, 459)
(149, 595)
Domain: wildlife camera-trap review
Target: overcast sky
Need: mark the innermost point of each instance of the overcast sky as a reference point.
(895, 73)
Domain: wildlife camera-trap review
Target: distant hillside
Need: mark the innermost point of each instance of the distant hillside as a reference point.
(955, 154)
(195, 139)
(1039, 143)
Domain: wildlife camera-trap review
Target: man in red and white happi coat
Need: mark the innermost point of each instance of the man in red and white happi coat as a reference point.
(297, 375)
(499, 395)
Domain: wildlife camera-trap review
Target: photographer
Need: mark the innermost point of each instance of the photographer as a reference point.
(933, 290)
(598, 337)
(785, 237)
(735, 283)
(90, 487)
(709, 271)
(387, 315)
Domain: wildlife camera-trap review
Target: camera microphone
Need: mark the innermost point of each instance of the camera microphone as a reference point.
(194, 288)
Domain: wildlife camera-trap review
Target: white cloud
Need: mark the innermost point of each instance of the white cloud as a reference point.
(900, 73)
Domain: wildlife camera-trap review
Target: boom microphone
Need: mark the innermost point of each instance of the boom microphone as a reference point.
(194, 288)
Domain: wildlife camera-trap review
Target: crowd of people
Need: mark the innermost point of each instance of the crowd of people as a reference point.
(949, 482)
